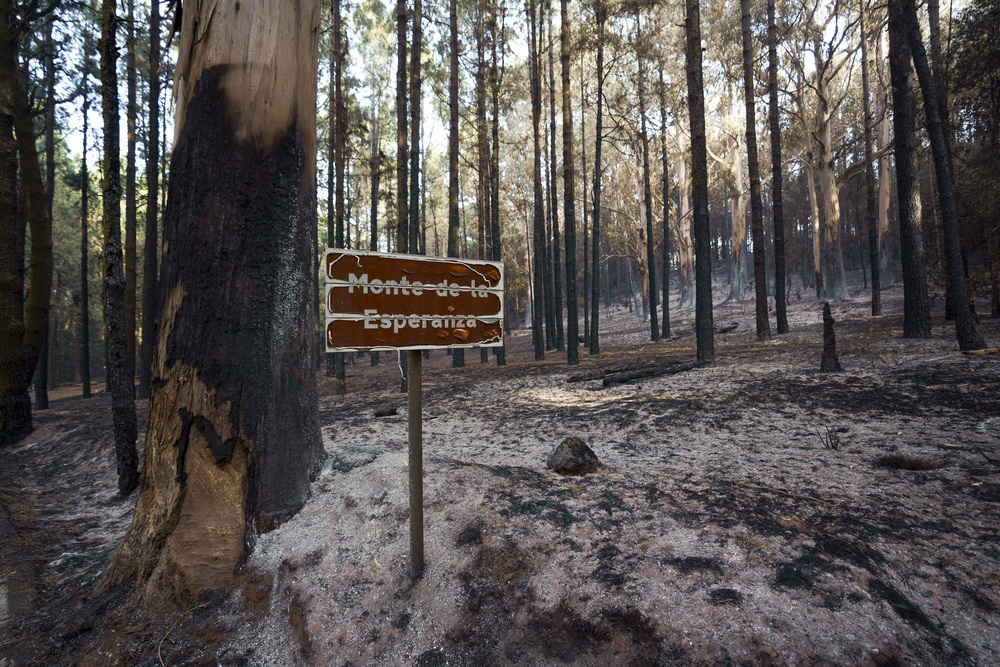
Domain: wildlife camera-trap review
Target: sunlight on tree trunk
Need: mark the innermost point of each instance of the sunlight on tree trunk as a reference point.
(233, 432)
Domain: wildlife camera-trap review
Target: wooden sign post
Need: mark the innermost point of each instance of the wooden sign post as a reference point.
(383, 301)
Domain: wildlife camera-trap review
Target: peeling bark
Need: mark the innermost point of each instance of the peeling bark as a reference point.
(233, 433)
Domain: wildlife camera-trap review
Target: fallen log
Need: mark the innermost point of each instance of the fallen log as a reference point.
(650, 372)
(598, 374)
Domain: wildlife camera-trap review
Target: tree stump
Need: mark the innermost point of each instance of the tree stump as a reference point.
(830, 363)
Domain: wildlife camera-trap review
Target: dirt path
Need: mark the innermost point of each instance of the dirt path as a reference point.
(757, 512)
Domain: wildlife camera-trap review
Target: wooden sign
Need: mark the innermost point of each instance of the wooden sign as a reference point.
(383, 301)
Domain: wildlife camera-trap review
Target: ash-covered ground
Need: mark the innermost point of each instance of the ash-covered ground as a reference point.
(755, 512)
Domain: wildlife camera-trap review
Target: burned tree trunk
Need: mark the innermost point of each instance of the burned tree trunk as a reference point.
(647, 192)
(130, 215)
(595, 231)
(569, 192)
(829, 363)
(916, 304)
(780, 305)
(152, 184)
(233, 433)
(756, 205)
(666, 207)
(22, 324)
(538, 227)
(704, 328)
(870, 205)
(119, 369)
(968, 338)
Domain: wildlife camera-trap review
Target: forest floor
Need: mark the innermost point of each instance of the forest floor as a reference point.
(757, 512)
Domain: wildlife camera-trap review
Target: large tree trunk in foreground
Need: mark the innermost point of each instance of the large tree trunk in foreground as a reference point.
(152, 184)
(704, 327)
(916, 305)
(756, 205)
(777, 206)
(569, 192)
(965, 329)
(119, 369)
(233, 432)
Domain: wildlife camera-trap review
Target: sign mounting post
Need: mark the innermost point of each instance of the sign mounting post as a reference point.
(383, 301)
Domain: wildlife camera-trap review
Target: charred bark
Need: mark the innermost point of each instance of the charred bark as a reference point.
(704, 328)
(130, 208)
(150, 273)
(870, 204)
(595, 262)
(968, 338)
(916, 306)
(118, 368)
(454, 222)
(538, 219)
(647, 193)
(756, 205)
(22, 324)
(666, 208)
(829, 363)
(569, 191)
(777, 204)
(233, 433)
(557, 281)
(84, 233)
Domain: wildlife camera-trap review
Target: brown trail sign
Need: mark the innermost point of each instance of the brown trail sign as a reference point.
(383, 301)
(378, 301)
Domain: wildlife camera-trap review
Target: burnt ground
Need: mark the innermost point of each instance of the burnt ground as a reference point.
(756, 512)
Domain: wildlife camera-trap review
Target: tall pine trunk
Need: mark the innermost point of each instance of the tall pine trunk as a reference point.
(968, 338)
(130, 212)
(150, 273)
(22, 323)
(704, 327)
(484, 230)
(586, 231)
(454, 222)
(666, 206)
(338, 129)
(42, 371)
(538, 219)
(756, 205)
(118, 367)
(777, 204)
(569, 191)
(557, 281)
(595, 232)
(233, 428)
(496, 33)
(870, 204)
(413, 234)
(647, 191)
(916, 305)
(84, 233)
